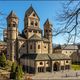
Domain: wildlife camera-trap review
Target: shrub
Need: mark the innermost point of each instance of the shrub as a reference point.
(19, 72)
(2, 60)
(13, 68)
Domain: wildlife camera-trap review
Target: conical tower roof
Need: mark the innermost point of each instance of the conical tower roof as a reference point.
(12, 15)
(29, 11)
(47, 22)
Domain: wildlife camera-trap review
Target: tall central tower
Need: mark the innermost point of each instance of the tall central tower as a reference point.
(12, 33)
(31, 23)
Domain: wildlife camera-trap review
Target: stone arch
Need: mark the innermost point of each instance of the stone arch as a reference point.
(56, 66)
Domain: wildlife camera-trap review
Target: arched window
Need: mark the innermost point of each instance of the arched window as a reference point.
(36, 24)
(66, 61)
(30, 46)
(46, 30)
(34, 15)
(38, 46)
(14, 25)
(41, 63)
(32, 23)
(8, 25)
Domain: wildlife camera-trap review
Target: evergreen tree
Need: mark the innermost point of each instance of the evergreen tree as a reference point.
(13, 68)
(19, 72)
(3, 60)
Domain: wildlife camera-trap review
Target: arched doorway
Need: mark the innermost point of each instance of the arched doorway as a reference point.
(56, 66)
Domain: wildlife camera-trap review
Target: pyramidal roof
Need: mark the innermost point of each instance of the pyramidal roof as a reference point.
(35, 37)
(12, 15)
(47, 22)
(30, 10)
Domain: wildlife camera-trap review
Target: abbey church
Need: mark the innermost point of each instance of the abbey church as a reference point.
(33, 48)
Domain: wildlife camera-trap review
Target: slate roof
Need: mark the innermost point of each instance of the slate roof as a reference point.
(35, 56)
(29, 11)
(34, 28)
(45, 56)
(67, 47)
(58, 56)
(47, 22)
(12, 15)
(45, 39)
(21, 38)
(35, 37)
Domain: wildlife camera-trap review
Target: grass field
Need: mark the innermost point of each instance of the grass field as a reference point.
(75, 67)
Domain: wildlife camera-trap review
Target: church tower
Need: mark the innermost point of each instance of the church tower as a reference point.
(12, 33)
(48, 34)
(31, 23)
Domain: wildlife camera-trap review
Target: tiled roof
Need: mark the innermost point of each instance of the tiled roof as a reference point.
(21, 38)
(58, 56)
(29, 11)
(45, 39)
(12, 14)
(67, 47)
(45, 56)
(35, 56)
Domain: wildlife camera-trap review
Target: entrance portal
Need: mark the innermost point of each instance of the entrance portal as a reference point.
(56, 66)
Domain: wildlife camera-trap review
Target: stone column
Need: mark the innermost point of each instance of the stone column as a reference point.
(36, 68)
(64, 65)
(60, 66)
(51, 66)
(44, 66)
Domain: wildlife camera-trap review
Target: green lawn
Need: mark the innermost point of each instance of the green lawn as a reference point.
(75, 67)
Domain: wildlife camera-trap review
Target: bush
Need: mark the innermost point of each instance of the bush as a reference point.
(16, 72)
(9, 63)
(19, 72)
(13, 69)
(3, 60)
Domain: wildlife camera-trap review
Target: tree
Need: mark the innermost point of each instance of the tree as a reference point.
(19, 72)
(16, 72)
(69, 20)
(13, 69)
(3, 60)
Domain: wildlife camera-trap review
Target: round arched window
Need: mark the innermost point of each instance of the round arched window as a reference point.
(36, 24)
(34, 15)
(41, 63)
(32, 23)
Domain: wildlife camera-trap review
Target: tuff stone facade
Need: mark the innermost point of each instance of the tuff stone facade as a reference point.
(31, 47)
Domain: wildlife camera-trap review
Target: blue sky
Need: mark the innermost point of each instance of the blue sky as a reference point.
(45, 9)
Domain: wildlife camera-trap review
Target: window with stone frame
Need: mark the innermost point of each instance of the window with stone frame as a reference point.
(44, 46)
(35, 31)
(30, 30)
(38, 46)
(41, 63)
(67, 61)
(34, 14)
(36, 24)
(30, 46)
(46, 30)
(14, 25)
(32, 23)
(25, 30)
(49, 30)
(23, 45)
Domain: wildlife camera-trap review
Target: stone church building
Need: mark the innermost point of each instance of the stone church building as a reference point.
(32, 47)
